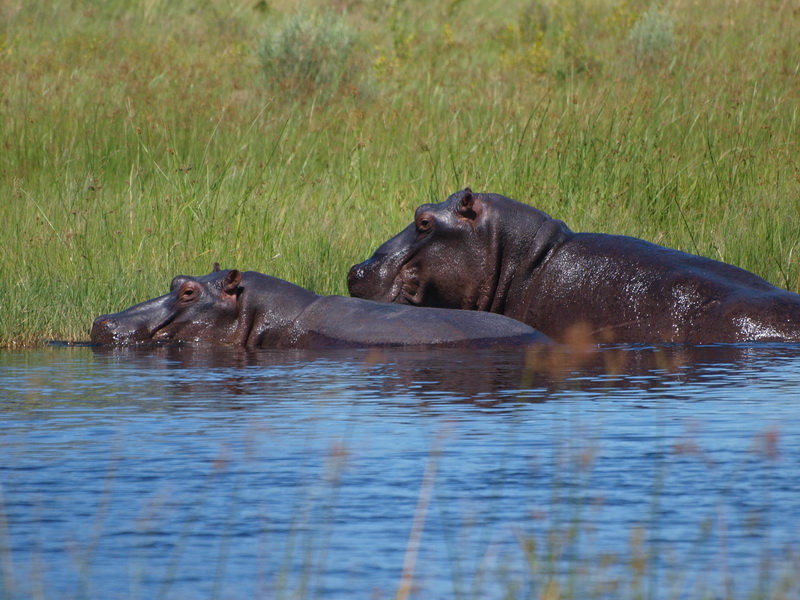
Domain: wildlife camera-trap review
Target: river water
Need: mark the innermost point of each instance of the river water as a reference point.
(178, 472)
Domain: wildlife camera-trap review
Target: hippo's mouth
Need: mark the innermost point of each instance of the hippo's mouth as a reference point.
(161, 335)
(160, 331)
(407, 288)
(108, 331)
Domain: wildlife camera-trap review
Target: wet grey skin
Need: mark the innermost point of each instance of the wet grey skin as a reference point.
(250, 309)
(486, 252)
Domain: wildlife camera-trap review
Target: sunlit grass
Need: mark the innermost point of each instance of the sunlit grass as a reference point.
(141, 140)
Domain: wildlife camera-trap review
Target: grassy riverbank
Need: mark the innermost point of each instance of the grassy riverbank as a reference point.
(141, 140)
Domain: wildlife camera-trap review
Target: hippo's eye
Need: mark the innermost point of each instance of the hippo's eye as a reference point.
(187, 293)
(424, 223)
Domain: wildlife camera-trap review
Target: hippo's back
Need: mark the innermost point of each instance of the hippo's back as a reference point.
(337, 321)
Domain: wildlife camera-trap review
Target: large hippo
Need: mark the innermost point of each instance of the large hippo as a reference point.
(230, 307)
(490, 253)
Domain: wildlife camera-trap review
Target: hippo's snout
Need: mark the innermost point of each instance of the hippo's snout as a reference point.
(358, 279)
(379, 277)
(355, 275)
(103, 330)
(375, 279)
(111, 329)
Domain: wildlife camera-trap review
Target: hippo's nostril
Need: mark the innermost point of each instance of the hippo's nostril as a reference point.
(355, 272)
(358, 275)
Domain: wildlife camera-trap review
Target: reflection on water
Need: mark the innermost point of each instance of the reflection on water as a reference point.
(179, 473)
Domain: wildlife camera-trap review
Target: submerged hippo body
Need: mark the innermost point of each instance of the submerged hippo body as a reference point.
(230, 307)
(489, 253)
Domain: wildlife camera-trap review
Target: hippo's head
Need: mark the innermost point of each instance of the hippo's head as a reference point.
(452, 256)
(196, 308)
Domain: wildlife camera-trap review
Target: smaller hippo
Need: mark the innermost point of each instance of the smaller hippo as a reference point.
(250, 309)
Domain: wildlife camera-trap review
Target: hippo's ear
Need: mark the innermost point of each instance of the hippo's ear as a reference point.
(216, 268)
(231, 282)
(467, 205)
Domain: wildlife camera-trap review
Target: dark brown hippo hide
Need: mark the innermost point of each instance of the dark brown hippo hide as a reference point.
(489, 253)
(250, 309)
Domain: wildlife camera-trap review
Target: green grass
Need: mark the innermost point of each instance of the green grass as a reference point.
(145, 139)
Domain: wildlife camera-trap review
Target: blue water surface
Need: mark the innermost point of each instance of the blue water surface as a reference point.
(625, 472)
